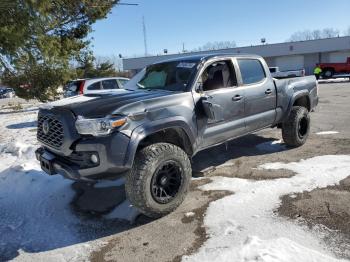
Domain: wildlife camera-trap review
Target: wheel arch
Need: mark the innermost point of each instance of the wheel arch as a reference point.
(301, 98)
(175, 131)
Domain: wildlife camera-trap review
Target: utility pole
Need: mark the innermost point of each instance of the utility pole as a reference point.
(144, 35)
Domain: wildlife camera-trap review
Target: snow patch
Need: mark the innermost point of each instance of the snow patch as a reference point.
(18, 149)
(279, 250)
(340, 78)
(190, 214)
(271, 146)
(327, 133)
(244, 227)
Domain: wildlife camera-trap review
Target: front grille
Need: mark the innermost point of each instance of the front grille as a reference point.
(54, 134)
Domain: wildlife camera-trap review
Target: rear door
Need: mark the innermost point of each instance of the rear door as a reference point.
(219, 87)
(260, 93)
(92, 88)
(102, 85)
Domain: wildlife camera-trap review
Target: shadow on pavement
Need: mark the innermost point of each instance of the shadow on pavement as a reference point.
(18, 112)
(250, 145)
(23, 125)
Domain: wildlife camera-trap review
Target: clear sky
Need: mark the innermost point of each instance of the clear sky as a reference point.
(169, 23)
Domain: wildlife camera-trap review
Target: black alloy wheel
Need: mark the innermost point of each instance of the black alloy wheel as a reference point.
(166, 182)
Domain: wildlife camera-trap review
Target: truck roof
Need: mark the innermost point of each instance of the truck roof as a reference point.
(205, 57)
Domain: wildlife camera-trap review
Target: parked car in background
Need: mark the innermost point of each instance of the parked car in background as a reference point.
(276, 73)
(93, 85)
(7, 92)
(330, 69)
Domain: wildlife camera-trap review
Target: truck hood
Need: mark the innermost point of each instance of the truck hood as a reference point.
(103, 104)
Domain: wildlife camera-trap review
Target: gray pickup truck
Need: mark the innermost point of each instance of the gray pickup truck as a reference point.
(167, 113)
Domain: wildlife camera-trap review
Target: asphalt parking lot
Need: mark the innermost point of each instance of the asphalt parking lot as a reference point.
(81, 218)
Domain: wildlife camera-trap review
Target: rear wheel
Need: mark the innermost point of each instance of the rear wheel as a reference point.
(296, 129)
(328, 73)
(159, 180)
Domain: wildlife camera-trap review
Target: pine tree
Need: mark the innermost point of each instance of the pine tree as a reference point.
(38, 39)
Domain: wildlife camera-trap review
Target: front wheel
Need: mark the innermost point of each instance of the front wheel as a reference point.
(159, 179)
(296, 129)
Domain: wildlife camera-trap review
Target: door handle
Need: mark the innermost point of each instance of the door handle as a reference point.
(268, 91)
(237, 98)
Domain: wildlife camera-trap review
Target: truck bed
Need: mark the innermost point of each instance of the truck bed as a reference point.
(294, 86)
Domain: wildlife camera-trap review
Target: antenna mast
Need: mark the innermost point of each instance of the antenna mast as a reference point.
(144, 35)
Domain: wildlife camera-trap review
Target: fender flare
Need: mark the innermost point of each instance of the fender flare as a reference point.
(297, 95)
(149, 128)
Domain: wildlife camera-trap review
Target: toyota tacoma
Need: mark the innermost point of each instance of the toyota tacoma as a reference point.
(168, 112)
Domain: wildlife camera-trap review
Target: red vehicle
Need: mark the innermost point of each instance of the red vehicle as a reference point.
(329, 69)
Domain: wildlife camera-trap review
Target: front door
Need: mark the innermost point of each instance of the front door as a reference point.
(219, 88)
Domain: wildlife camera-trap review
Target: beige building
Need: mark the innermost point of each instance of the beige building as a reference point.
(287, 56)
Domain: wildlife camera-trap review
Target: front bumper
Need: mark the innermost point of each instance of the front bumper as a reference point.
(111, 151)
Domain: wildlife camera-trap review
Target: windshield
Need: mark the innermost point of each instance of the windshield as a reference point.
(171, 76)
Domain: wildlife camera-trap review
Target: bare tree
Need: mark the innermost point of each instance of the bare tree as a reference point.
(313, 35)
(216, 45)
(330, 32)
(347, 32)
(301, 36)
(316, 34)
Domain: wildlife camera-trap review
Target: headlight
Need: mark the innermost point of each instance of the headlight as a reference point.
(98, 126)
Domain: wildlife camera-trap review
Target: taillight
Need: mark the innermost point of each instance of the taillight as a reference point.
(81, 88)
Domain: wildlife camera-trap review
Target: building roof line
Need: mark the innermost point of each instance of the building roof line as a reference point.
(240, 47)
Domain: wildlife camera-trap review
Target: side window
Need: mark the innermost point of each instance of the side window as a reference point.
(122, 82)
(252, 71)
(273, 69)
(218, 75)
(109, 84)
(95, 86)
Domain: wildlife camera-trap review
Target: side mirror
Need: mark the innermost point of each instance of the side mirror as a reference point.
(208, 108)
(199, 87)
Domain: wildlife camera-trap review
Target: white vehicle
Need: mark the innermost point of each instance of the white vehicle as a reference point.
(93, 85)
(276, 73)
(6, 92)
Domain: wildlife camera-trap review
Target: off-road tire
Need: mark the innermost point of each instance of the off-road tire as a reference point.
(139, 181)
(296, 129)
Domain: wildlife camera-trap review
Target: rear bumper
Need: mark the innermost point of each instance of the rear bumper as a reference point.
(111, 153)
